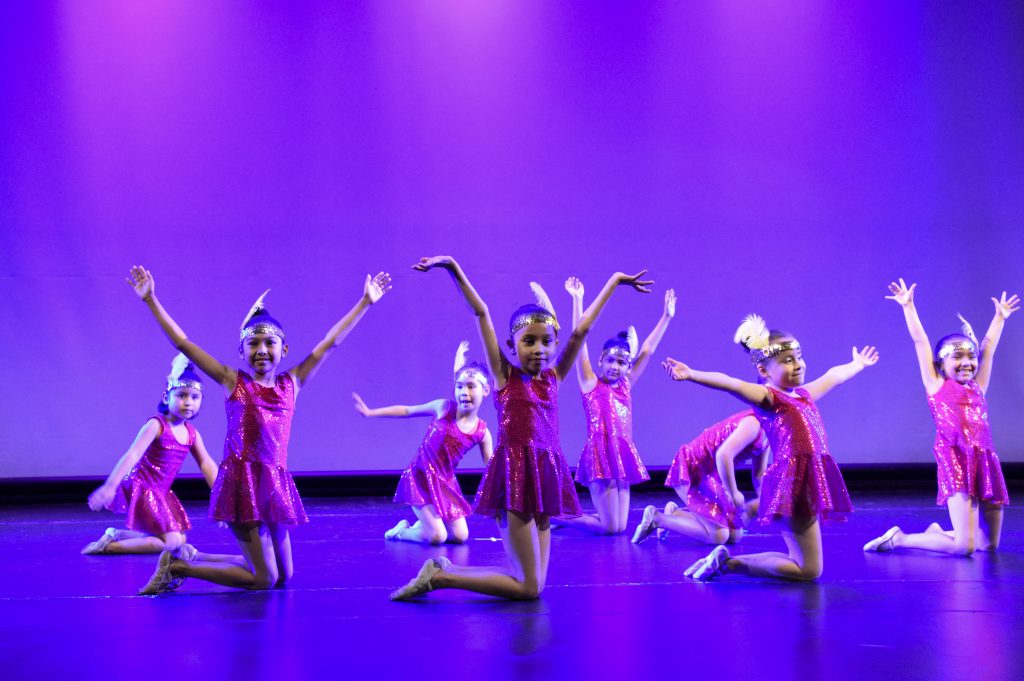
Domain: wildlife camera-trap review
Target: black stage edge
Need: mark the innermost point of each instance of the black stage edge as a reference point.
(31, 491)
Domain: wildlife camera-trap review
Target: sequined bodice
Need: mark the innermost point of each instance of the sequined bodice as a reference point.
(163, 458)
(260, 420)
(713, 437)
(793, 425)
(528, 411)
(961, 415)
(445, 444)
(609, 410)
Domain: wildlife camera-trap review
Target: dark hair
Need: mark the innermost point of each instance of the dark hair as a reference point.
(619, 341)
(475, 366)
(163, 408)
(953, 337)
(529, 308)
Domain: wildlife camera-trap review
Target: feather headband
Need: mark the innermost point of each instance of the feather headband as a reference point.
(183, 374)
(251, 325)
(753, 334)
(955, 346)
(627, 352)
(536, 316)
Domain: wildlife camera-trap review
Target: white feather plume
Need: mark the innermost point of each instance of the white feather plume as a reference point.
(632, 341)
(542, 298)
(968, 329)
(256, 307)
(460, 356)
(178, 366)
(753, 333)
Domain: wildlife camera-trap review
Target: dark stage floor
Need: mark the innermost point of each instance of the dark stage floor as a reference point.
(611, 611)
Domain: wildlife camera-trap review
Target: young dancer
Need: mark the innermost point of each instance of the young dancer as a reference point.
(429, 484)
(254, 492)
(803, 484)
(140, 484)
(527, 480)
(610, 462)
(703, 475)
(971, 483)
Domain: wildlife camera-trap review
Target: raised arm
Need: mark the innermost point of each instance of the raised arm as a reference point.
(103, 494)
(434, 408)
(1004, 308)
(837, 375)
(904, 296)
(580, 330)
(142, 281)
(584, 370)
(650, 343)
(374, 289)
(745, 433)
(495, 358)
(753, 394)
(206, 464)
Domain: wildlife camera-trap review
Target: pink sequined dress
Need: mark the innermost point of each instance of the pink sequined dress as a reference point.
(430, 478)
(145, 493)
(695, 465)
(803, 479)
(528, 472)
(609, 453)
(963, 444)
(253, 483)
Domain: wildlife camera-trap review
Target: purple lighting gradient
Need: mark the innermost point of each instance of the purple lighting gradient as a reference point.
(788, 159)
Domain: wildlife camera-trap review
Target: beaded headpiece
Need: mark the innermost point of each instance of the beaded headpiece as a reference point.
(259, 321)
(624, 345)
(183, 374)
(542, 313)
(969, 343)
(754, 335)
(461, 364)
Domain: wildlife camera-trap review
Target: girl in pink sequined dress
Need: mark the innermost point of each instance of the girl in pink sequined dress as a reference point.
(803, 485)
(971, 483)
(527, 480)
(610, 462)
(428, 484)
(140, 484)
(703, 475)
(254, 493)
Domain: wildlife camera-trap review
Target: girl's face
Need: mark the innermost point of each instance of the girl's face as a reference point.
(785, 370)
(263, 352)
(534, 346)
(612, 367)
(470, 391)
(961, 366)
(183, 403)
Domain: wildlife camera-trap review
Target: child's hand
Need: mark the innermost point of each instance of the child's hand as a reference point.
(101, 497)
(1004, 307)
(360, 405)
(867, 356)
(901, 294)
(142, 281)
(635, 281)
(738, 500)
(375, 288)
(670, 303)
(574, 287)
(676, 370)
(437, 261)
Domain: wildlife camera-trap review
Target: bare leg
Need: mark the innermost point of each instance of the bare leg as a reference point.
(527, 542)
(992, 526)
(962, 541)
(145, 543)
(261, 563)
(622, 487)
(605, 496)
(692, 526)
(458, 531)
(281, 540)
(428, 529)
(804, 561)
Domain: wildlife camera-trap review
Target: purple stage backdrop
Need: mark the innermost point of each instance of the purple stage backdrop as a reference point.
(788, 158)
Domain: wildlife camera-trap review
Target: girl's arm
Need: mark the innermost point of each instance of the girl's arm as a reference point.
(651, 342)
(922, 347)
(105, 492)
(725, 456)
(496, 361)
(584, 370)
(865, 357)
(754, 394)
(373, 289)
(434, 408)
(579, 333)
(1004, 308)
(145, 288)
(205, 461)
(758, 467)
(486, 447)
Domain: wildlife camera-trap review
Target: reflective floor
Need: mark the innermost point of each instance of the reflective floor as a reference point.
(612, 610)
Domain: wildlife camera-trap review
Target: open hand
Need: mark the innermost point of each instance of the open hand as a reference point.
(866, 357)
(100, 498)
(375, 288)
(900, 293)
(1005, 307)
(670, 303)
(360, 405)
(643, 286)
(676, 370)
(141, 280)
(574, 287)
(430, 263)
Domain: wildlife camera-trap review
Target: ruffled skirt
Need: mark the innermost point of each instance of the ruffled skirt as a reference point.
(610, 459)
(975, 472)
(804, 486)
(149, 509)
(251, 491)
(423, 483)
(706, 496)
(529, 481)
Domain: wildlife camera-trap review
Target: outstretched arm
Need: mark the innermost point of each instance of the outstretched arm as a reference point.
(1004, 308)
(495, 358)
(580, 330)
(105, 492)
(863, 358)
(433, 408)
(142, 281)
(752, 393)
(205, 461)
(922, 347)
(651, 342)
(374, 289)
(745, 433)
(584, 370)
